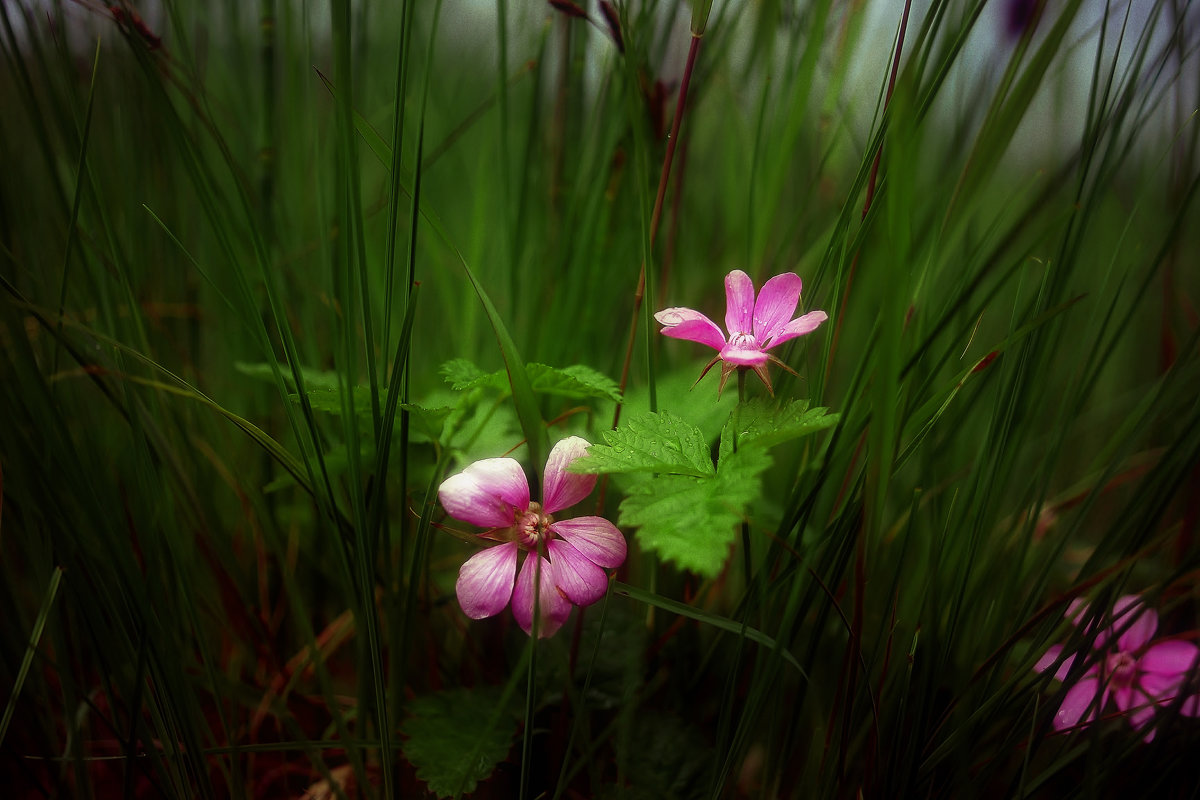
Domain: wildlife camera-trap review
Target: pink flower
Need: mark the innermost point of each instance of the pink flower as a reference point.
(573, 554)
(755, 326)
(1137, 675)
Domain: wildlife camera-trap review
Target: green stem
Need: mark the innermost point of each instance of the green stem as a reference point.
(737, 425)
(534, 633)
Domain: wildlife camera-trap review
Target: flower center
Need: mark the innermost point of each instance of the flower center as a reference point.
(533, 526)
(1122, 667)
(743, 341)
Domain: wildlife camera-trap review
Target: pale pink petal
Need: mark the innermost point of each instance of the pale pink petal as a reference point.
(797, 327)
(775, 305)
(739, 303)
(684, 323)
(597, 539)
(1135, 622)
(488, 493)
(1050, 657)
(1080, 698)
(742, 353)
(562, 489)
(577, 576)
(554, 608)
(485, 581)
(1172, 657)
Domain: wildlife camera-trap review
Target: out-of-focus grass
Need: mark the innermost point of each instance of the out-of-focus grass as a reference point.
(253, 589)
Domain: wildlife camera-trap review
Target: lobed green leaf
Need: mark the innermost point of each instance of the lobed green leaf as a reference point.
(691, 521)
(760, 423)
(576, 381)
(650, 442)
(447, 744)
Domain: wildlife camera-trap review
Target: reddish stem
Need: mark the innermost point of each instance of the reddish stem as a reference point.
(656, 215)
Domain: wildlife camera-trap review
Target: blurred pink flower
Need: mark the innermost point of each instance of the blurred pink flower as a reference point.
(755, 326)
(573, 553)
(1124, 665)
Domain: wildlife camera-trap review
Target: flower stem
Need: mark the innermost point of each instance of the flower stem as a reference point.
(527, 739)
(535, 632)
(737, 427)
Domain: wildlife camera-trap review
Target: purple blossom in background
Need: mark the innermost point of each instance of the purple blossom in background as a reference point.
(755, 326)
(1019, 15)
(1124, 665)
(573, 553)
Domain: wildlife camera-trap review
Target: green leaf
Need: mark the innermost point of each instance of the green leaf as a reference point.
(313, 378)
(575, 381)
(691, 521)
(667, 757)
(430, 422)
(449, 743)
(650, 442)
(462, 374)
(764, 424)
(329, 400)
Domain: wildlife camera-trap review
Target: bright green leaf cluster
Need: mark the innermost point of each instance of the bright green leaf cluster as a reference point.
(691, 521)
(688, 511)
(650, 442)
(760, 424)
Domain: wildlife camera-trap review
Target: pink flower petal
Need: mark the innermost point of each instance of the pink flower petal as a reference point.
(1172, 657)
(1135, 622)
(1191, 706)
(1124, 696)
(1140, 717)
(552, 605)
(1050, 657)
(597, 539)
(739, 303)
(684, 323)
(562, 489)
(775, 305)
(1080, 698)
(485, 581)
(798, 327)
(488, 493)
(1162, 688)
(577, 576)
